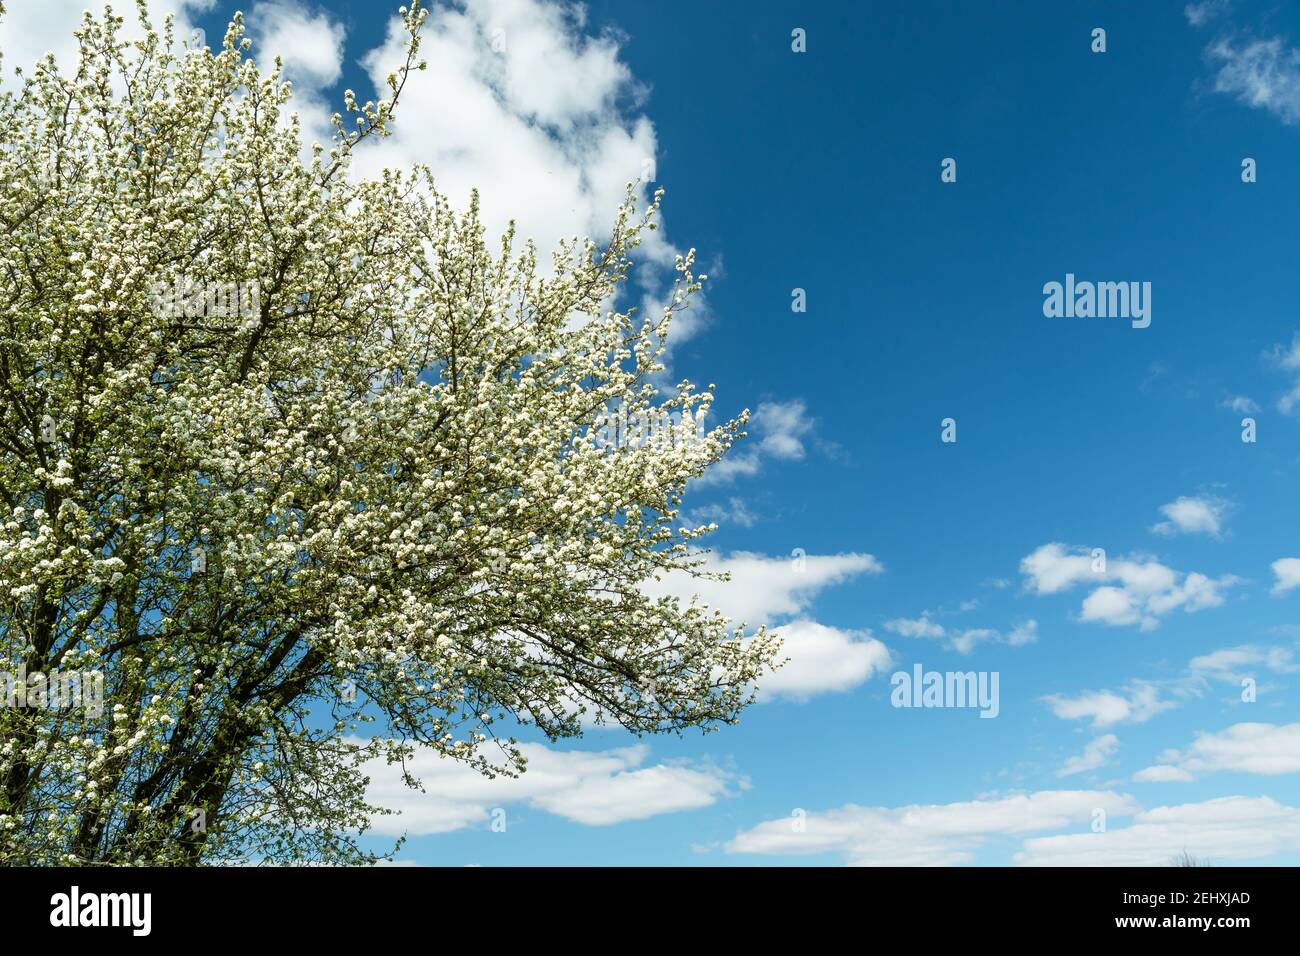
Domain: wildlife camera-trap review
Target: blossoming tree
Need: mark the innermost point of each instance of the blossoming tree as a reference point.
(363, 488)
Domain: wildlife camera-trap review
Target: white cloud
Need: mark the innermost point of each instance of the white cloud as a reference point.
(1026, 633)
(1227, 828)
(1287, 572)
(1187, 515)
(1162, 774)
(921, 835)
(781, 426)
(921, 627)
(962, 640)
(597, 788)
(966, 640)
(1267, 749)
(763, 588)
(311, 46)
(519, 101)
(1051, 569)
(1231, 664)
(1138, 703)
(823, 660)
(1219, 830)
(636, 794)
(1094, 755)
(1140, 700)
(1146, 589)
(776, 430)
(1264, 74)
(29, 30)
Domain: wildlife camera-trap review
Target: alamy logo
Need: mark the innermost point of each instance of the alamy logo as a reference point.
(1102, 300)
(57, 690)
(187, 299)
(923, 688)
(648, 427)
(103, 909)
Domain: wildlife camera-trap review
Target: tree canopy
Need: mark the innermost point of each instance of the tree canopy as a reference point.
(285, 452)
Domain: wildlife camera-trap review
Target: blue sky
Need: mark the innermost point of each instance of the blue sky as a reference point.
(820, 171)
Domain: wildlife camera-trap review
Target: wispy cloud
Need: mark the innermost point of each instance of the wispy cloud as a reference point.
(1263, 74)
(1240, 404)
(1094, 755)
(1231, 664)
(962, 640)
(1202, 12)
(1287, 358)
(734, 512)
(777, 430)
